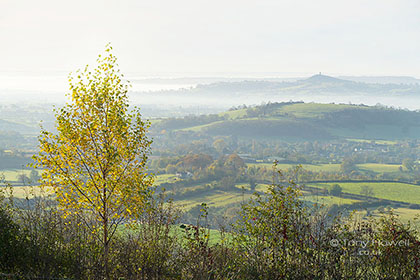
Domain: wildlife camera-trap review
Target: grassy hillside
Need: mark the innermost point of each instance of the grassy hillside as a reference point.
(304, 121)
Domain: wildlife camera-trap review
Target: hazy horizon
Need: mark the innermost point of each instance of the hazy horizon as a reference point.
(163, 94)
(168, 38)
(170, 45)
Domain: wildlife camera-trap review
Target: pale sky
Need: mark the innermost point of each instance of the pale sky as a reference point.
(213, 37)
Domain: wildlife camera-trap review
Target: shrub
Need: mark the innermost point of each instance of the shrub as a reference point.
(335, 190)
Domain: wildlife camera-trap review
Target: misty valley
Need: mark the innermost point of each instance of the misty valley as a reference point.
(221, 158)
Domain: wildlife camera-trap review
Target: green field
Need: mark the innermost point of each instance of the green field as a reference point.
(301, 110)
(312, 110)
(311, 167)
(412, 215)
(406, 215)
(379, 168)
(328, 200)
(198, 127)
(392, 191)
(165, 178)
(235, 114)
(10, 175)
(215, 199)
(318, 199)
(334, 167)
(215, 236)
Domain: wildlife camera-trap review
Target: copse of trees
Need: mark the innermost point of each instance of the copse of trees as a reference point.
(348, 166)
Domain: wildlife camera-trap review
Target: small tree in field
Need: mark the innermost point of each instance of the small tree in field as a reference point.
(335, 190)
(96, 162)
(366, 191)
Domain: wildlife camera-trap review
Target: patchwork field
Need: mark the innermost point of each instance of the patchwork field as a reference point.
(373, 167)
(215, 199)
(392, 191)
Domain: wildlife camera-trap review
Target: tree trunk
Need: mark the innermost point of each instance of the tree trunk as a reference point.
(106, 241)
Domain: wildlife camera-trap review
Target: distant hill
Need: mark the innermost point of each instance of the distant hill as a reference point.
(324, 79)
(382, 79)
(318, 88)
(16, 127)
(303, 121)
(315, 84)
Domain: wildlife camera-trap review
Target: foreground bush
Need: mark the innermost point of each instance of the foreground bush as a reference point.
(275, 237)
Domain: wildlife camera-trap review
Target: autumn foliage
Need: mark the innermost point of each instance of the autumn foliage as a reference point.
(96, 162)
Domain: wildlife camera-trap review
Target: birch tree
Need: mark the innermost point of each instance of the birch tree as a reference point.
(96, 160)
